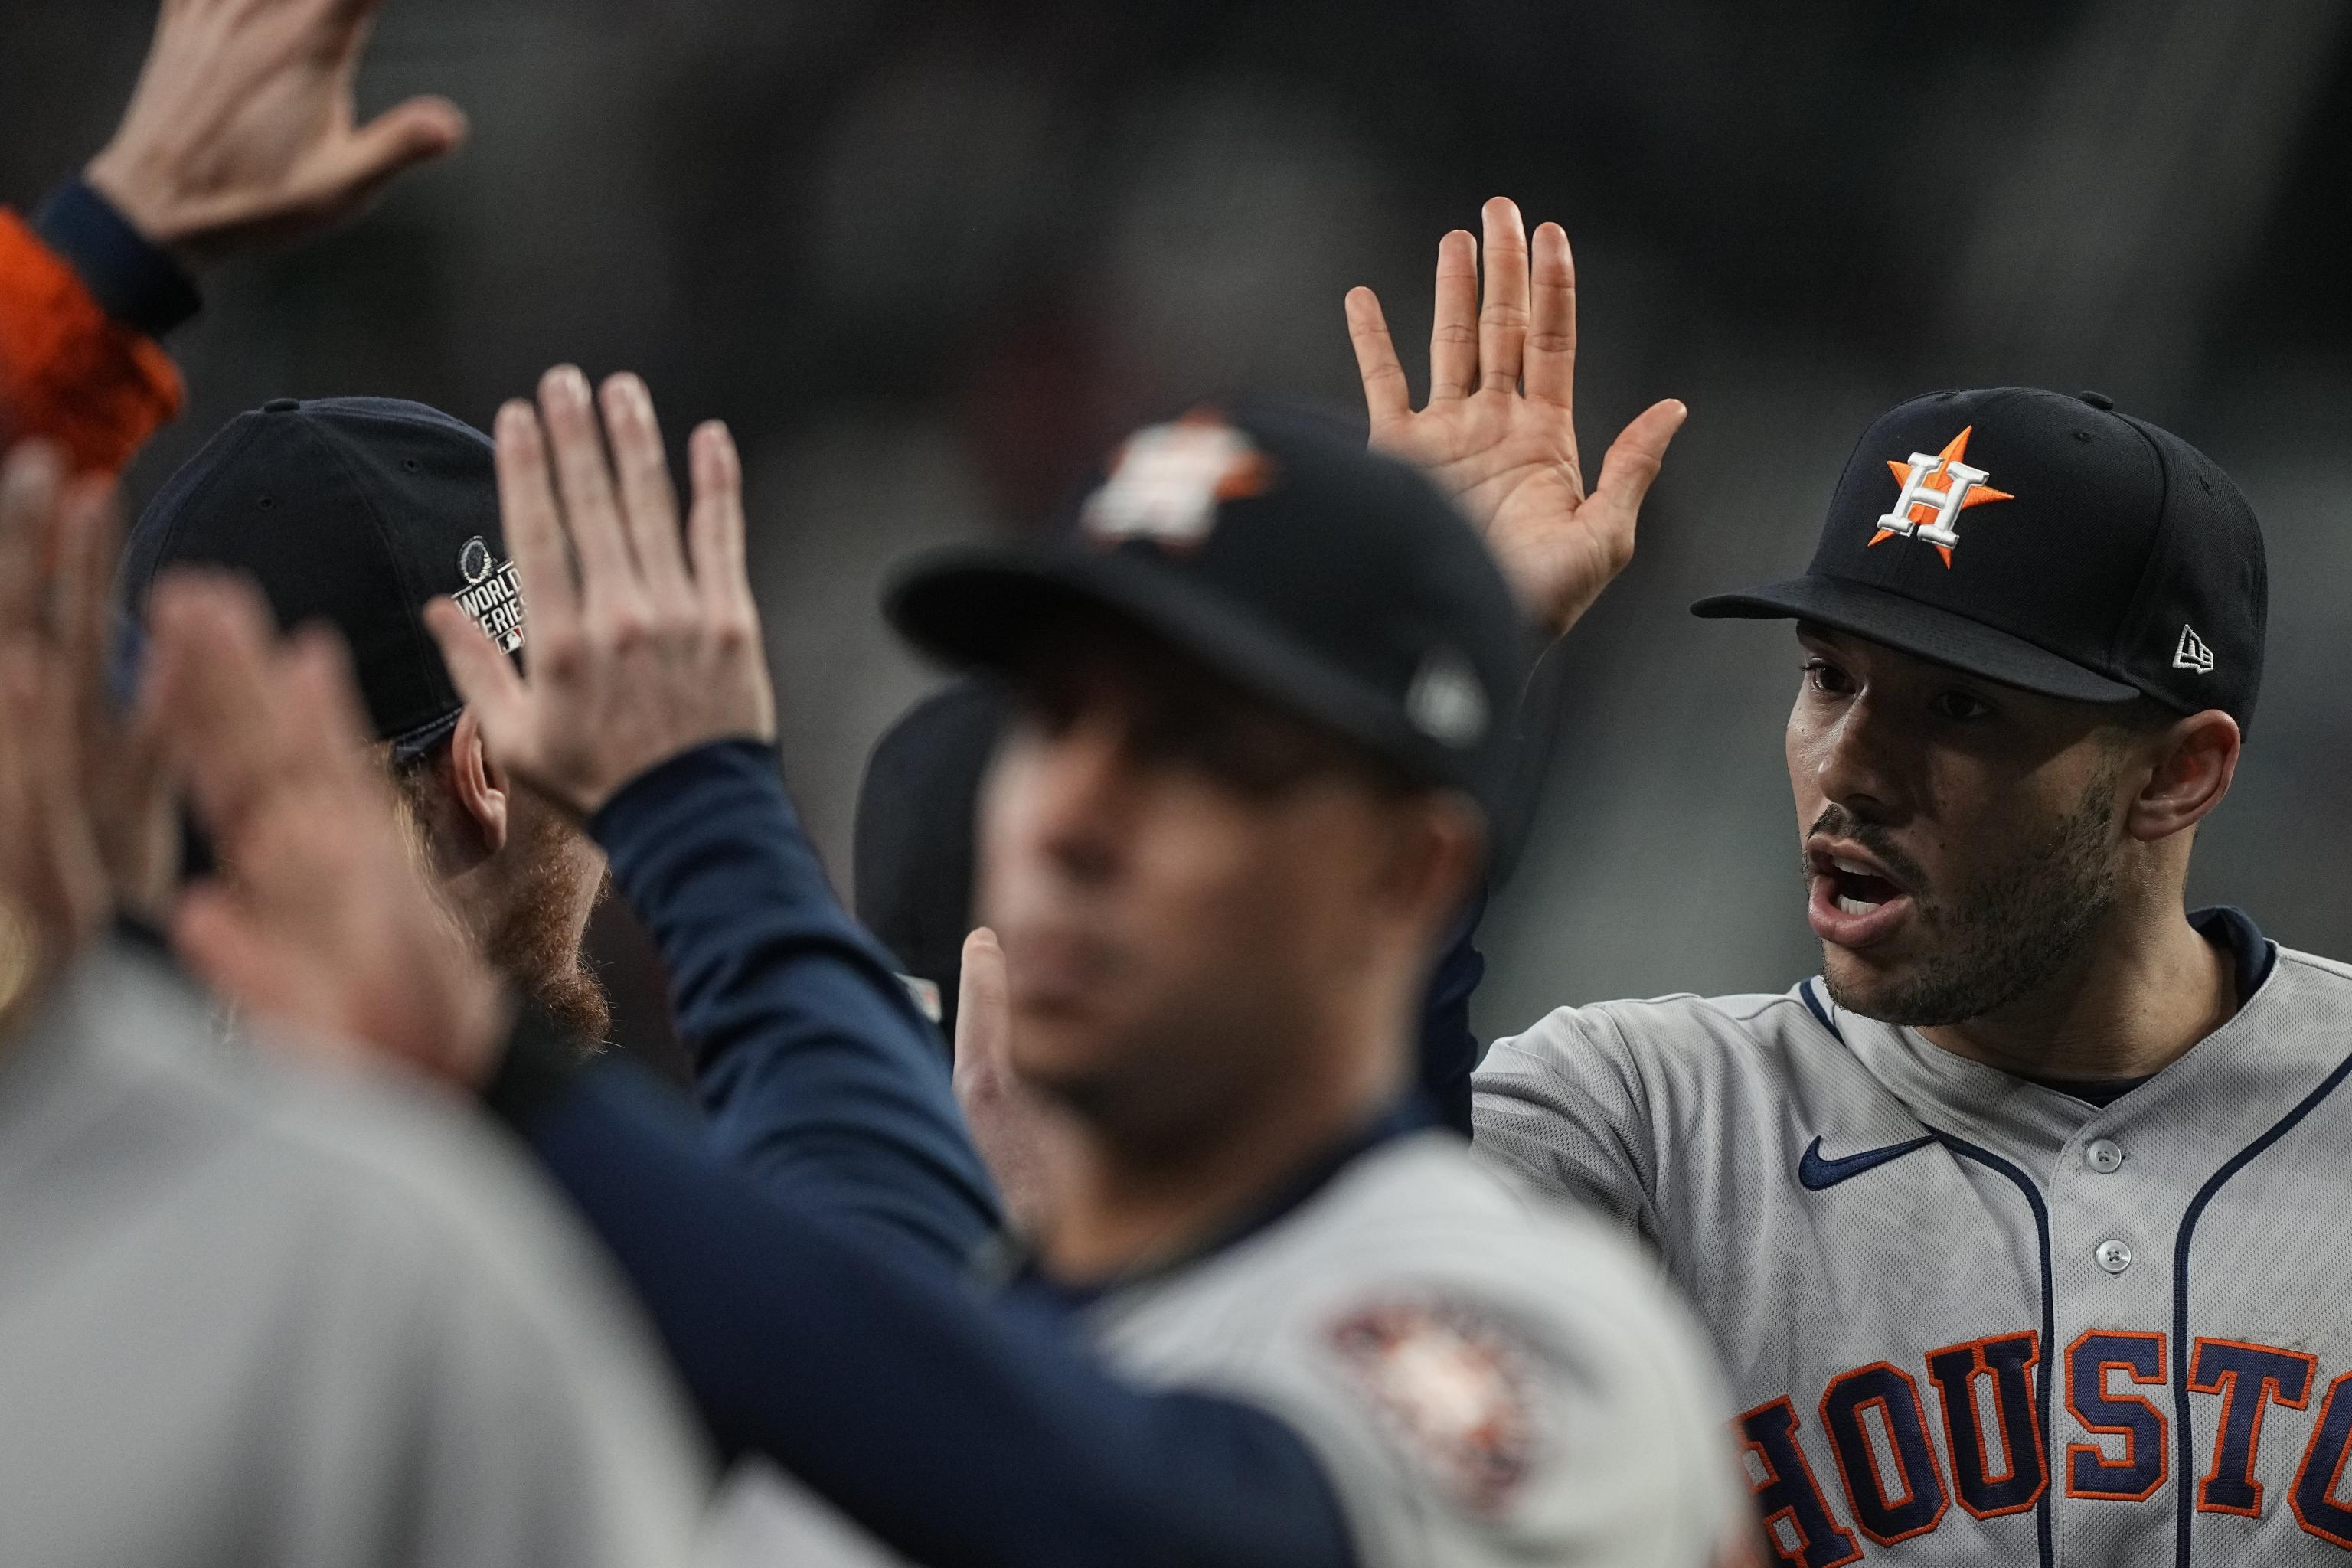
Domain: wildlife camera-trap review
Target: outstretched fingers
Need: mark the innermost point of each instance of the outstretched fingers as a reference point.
(484, 678)
(1387, 395)
(1503, 319)
(533, 528)
(984, 1027)
(715, 525)
(1552, 329)
(592, 512)
(212, 697)
(29, 484)
(648, 499)
(1453, 329)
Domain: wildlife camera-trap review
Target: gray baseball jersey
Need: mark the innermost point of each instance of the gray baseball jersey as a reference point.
(252, 1315)
(1486, 1377)
(1969, 1319)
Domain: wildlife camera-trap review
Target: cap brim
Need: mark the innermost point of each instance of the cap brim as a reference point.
(980, 606)
(1922, 629)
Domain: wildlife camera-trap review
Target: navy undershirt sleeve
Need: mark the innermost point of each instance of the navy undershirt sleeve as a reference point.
(821, 1079)
(134, 281)
(954, 1429)
(1449, 1047)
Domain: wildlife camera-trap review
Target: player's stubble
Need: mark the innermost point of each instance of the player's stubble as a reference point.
(2021, 920)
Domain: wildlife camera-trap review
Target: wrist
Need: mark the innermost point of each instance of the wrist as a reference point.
(135, 281)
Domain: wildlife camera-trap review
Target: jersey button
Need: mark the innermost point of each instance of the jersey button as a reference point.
(2112, 1255)
(2104, 1155)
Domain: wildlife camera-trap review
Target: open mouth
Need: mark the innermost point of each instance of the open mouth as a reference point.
(1857, 890)
(1855, 903)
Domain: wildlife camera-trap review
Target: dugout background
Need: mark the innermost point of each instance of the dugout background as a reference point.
(928, 259)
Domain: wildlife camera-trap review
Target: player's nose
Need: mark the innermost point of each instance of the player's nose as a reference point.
(1859, 763)
(1084, 797)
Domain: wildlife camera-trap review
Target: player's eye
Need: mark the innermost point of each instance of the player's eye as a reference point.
(1960, 707)
(1827, 678)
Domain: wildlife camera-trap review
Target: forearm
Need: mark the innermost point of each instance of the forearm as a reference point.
(83, 300)
(821, 1079)
(955, 1432)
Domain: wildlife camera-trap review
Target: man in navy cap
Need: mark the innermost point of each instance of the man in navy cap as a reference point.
(2001, 1221)
(357, 512)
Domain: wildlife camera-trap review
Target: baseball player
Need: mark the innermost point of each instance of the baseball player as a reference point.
(2002, 1222)
(1283, 1319)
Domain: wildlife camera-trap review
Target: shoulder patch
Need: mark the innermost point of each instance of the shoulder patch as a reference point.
(1455, 1387)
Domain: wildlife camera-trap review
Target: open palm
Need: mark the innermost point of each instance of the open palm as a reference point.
(1499, 431)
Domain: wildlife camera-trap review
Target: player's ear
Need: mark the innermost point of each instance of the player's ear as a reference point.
(480, 785)
(2190, 763)
(1440, 848)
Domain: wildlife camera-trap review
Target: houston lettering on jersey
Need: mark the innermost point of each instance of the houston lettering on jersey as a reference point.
(1905, 1450)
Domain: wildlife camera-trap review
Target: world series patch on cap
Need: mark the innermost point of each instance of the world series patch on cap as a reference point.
(2044, 542)
(357, 512)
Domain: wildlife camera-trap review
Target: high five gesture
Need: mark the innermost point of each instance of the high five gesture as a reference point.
(1499, 431)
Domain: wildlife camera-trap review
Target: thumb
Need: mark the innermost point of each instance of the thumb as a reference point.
(1634, 459)
(984, 1031)
(414, 132)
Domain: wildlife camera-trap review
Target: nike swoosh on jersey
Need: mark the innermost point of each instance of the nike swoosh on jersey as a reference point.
(1818, 1174)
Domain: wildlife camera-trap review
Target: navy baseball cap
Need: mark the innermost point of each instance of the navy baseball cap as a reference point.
(2044, 542)
(357, 512)
(1280, 553)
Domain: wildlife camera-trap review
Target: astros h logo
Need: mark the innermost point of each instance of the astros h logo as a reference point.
(1935, 490)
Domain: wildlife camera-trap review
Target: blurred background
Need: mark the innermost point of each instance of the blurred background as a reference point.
(930, 258)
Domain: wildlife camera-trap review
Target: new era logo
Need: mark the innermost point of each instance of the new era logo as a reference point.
(2192, 653)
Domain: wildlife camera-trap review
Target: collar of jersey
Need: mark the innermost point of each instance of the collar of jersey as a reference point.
(1018, 1268)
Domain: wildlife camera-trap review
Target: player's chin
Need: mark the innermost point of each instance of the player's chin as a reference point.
(1061, 1038)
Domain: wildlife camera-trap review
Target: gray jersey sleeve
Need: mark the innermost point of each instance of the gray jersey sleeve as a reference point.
(257, 1316)
(1566, 1106)
(515, 1410)
(1484, 1380)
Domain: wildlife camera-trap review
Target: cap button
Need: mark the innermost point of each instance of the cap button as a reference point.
(281, 405)
(2099, 400)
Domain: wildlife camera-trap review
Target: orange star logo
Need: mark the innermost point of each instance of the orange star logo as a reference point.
(1935, 490)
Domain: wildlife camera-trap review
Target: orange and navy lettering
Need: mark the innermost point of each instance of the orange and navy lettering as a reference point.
(1911, 1501)
(2008, 1362)
(1798, 1524)
(2139, 1468)
(1896, 1482)
(2320, 1501)
(2247, 1377)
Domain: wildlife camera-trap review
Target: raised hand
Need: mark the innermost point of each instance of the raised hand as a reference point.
(53, 882)
(653, 648)
(1027, 1142)
(322, 920)
(1499, 431)
(241, 129)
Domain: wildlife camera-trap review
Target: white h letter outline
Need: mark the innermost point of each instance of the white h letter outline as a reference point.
(1946, 501)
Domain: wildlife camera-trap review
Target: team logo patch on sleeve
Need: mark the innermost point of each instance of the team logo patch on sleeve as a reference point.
(1453, 1387)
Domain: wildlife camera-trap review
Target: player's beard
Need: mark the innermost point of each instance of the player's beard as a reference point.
(537, 945)
(2016, 926)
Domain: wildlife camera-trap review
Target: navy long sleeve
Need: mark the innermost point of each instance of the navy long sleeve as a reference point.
(957, 1430)
(821, 1080)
